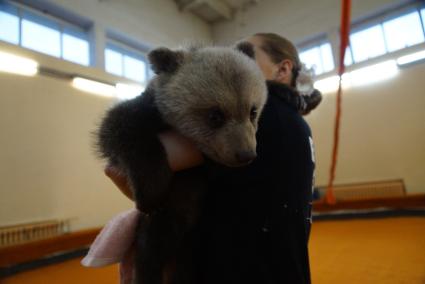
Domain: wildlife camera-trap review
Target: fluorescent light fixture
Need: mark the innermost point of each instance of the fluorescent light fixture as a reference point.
(94, 87)
(373, 73)
(126, 91)
(330, 84)
(327, 85)
(411, 58)
(17, 65)
(363, 76)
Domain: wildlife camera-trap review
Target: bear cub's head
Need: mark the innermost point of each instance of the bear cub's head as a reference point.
(213, 95)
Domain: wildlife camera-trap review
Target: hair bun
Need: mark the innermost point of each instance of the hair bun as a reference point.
(311, 101)
(304, 82)
(305, 87)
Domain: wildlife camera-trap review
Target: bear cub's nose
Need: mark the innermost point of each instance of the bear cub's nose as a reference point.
(245, 157)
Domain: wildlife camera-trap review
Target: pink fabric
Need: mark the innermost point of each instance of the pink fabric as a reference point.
(114, 245)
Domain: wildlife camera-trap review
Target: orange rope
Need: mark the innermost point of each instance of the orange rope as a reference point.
(345, 30)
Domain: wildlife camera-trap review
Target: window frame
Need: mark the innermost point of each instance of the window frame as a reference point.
(125, 50)
(364, 28)
(82, 35)
(13, 10)
(38, 20)
(405, 13)
(24, 12)
(422, 17)
(317, 43)
(379, 20)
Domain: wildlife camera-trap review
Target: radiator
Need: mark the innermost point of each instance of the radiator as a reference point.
(22, 233)
(370, 190)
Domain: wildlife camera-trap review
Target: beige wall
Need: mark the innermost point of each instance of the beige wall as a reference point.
(48, 168)
(153, 22)
(382, 132)
(294, 19)
(383, 125)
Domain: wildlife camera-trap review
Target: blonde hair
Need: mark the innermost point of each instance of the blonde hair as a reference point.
(279, 48)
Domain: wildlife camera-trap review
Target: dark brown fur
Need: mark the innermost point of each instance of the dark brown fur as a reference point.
(211, 95)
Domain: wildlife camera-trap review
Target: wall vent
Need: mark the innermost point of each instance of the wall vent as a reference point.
(213, 11)
(22, 233)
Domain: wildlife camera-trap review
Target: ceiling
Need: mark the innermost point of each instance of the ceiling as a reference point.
(213, 11)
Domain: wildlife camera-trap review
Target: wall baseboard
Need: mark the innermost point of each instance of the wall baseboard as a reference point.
(16, 254)
(403, 202)
(34, 264)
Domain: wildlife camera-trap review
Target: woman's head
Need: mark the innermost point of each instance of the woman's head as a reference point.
(277, 57)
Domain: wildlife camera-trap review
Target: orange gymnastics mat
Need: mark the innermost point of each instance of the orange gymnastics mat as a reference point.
(359, 251)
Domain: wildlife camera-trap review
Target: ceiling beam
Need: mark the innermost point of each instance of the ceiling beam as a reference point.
(218, 6)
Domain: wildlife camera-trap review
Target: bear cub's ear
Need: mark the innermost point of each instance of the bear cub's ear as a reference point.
(164, 60)
(246, 48)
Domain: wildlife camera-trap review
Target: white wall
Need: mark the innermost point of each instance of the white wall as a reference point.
(383, 125)
(382, 134)
(154, 22)
(48, 167)
(294, 19)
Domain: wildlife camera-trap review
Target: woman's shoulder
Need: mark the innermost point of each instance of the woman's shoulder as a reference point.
(285, 95)
(281, 115)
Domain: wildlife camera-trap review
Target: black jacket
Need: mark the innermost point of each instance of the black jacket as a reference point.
(256, 220)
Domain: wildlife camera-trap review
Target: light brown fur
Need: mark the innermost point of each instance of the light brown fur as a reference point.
(214, 77)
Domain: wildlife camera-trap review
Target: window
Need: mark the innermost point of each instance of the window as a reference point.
(319, 58)
(41, 38)
(391, 35)
(382, 37)
(403, 31)
(348, 59)
(30, 29)
(9, 23)
(113, 62)
(134, 69)
(75, 49)
(367, 43)
(126, 63)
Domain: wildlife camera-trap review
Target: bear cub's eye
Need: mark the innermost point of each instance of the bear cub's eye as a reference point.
(216, 118)
(253, 114)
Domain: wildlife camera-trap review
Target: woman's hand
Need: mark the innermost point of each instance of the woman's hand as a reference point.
(181, 152)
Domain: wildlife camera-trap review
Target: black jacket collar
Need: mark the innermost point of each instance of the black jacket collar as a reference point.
(288, 94)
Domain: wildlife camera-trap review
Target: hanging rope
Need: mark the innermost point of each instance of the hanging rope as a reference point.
(344, 36)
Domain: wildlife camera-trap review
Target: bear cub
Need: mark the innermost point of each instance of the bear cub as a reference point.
(212, 95)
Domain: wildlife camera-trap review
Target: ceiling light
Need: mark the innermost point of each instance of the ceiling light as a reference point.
(373, 73)
(411, 58)
(17, 65)
(94, 87)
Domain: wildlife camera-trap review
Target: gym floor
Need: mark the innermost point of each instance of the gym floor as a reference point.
(379, 250)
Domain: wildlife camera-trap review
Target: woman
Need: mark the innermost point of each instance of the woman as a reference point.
(256, 221)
